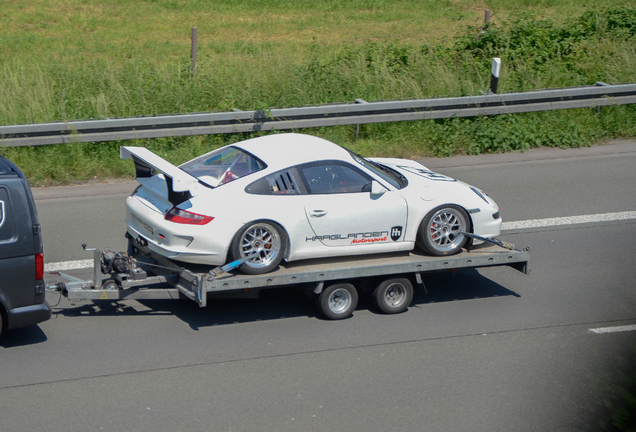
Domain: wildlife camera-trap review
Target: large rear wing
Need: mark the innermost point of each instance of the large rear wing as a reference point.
(181, 185)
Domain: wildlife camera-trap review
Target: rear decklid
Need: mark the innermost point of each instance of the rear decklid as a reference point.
(175, 185)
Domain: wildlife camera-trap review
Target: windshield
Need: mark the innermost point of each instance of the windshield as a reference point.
(393, 177)
(222, 166)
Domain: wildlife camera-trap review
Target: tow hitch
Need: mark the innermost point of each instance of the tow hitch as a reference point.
(497, 242)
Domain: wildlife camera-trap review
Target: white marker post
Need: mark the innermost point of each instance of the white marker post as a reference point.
(193, 51)
(494, 74)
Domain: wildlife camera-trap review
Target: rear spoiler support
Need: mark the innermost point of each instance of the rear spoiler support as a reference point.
(181, 185)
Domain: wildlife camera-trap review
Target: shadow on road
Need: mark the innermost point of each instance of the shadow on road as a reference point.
(23, 336)
(280, 303)
(458, 285)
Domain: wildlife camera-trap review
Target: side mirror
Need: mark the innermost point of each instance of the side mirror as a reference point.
(377, 190)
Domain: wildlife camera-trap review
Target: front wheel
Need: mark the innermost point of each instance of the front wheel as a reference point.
(266, 241)
(441, 231)
(338, 301)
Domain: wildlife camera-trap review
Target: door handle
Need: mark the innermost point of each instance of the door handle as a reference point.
(317, 213)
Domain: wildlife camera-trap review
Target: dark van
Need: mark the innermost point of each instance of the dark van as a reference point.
(21, 259)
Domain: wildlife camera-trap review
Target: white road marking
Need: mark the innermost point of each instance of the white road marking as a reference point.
(570, 220)
(616, 329)
(68, 265)
(506, 226)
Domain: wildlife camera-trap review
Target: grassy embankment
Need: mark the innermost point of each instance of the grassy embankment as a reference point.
(78, 59)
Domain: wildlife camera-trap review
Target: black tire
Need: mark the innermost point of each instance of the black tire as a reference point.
(439, 232)
(338, 301)
(264, 238)
(393, 295)
(110, 284)
(2, 322)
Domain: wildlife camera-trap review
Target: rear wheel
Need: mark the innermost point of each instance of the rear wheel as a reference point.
(393, 295)
(267, 241)
(1, 321)
(441, 231)
(338, 301)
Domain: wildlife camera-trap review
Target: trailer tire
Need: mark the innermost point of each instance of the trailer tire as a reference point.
(440, 231)
(393, 295)
(110, 284)
(338, 301)
(267, 239)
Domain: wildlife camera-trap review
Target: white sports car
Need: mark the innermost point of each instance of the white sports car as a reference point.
(293, 197)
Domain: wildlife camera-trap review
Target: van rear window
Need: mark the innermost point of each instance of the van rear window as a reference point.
(4, 168)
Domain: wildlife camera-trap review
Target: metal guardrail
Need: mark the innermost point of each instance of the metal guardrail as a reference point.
(358, 113)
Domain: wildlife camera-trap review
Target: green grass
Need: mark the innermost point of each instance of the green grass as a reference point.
(77, 59)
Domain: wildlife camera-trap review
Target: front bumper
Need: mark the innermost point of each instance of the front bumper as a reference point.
(485, 224)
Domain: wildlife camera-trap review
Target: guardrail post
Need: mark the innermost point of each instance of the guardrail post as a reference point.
(193, 50)
(358, 126)
(487, 16)
(494, 74)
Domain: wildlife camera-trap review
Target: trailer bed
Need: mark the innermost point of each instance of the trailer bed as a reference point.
(157, 277)
(194, 281)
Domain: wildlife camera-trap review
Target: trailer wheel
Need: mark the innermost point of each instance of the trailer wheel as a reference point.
(338, 301)
(393, 295)
(263, 238)
(110, 284)
(440, 231)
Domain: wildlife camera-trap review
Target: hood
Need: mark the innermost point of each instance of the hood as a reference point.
(414, 171)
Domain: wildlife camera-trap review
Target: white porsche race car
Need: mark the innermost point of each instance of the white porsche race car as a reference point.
(293, 197)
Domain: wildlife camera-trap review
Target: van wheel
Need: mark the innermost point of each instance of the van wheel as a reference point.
(3, 321)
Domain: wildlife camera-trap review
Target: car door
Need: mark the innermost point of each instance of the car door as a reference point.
(342, 211)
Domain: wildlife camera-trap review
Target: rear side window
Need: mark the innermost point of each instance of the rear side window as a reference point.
(7, 232)
(281, 183)
(223, 166)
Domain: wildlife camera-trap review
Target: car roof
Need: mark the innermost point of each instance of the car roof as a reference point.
(280, 151)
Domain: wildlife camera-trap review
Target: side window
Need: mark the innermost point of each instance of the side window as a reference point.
(333, 177)
(223, 166)
(6, 226)
(280, 183)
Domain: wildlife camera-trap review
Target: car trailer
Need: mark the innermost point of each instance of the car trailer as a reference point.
(141, 274)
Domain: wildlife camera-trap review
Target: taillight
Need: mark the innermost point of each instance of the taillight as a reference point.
(39, 266)
(185, 217)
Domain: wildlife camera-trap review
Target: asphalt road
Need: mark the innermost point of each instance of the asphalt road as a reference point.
(487, 350)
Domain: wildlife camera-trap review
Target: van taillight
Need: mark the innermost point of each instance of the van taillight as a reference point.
(39, 266)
